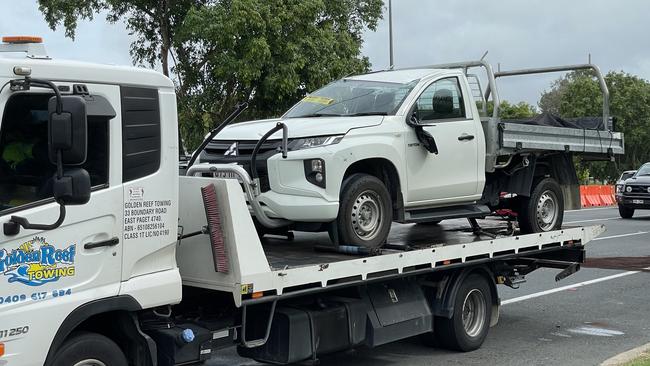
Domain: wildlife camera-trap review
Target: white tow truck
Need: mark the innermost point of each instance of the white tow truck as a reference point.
(108, 257)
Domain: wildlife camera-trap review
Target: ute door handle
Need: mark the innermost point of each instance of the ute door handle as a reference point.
(465, 137)
(103, 243)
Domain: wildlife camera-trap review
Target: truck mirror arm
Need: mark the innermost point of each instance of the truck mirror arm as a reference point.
(12, 227)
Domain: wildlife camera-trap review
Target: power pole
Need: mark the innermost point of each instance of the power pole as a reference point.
(390, 32)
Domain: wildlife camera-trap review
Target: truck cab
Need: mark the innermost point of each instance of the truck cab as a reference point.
(57, 255)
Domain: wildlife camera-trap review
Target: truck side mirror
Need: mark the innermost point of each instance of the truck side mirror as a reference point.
(68, 146)
(68, 130)
(73, 187)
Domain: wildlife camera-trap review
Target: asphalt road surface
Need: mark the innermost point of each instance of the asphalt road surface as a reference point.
(585, 319)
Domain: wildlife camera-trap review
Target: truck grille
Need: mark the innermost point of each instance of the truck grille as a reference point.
(637, 190)
(230, 151)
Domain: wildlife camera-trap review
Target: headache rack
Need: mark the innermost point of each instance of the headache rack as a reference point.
(505, 138)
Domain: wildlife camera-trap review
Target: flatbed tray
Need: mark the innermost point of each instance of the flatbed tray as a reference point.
(304, 251)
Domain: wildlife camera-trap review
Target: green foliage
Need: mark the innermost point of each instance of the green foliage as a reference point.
(268, 53)
(508, 110)
(578, 94)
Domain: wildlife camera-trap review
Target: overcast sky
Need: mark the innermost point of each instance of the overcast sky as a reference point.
(516, 33)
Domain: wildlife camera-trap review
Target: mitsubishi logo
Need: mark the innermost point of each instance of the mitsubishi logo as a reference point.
(233, 150)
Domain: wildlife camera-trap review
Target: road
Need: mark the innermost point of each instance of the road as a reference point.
(582, 320)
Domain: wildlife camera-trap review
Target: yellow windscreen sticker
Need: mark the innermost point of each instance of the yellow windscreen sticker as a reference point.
(318, 100)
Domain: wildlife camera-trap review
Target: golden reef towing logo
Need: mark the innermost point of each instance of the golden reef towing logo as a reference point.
(36, 262)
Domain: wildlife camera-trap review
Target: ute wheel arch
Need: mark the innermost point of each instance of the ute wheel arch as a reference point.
(121, 305)
(385, 170)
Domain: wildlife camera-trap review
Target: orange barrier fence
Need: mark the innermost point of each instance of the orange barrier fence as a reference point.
(596, 196)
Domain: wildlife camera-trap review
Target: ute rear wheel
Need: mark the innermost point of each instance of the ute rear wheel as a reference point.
(544, 209)
(625, 212)
(469, 324)
(89, 349)
(365, 212)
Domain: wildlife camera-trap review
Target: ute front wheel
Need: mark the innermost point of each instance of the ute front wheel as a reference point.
(365, 212)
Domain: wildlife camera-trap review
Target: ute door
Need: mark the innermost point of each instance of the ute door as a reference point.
(47, 274)
(450, 175)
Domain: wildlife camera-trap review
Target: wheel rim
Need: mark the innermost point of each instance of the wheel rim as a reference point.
(366, 215)
(547, 210)
(92, 362)
(474, 312)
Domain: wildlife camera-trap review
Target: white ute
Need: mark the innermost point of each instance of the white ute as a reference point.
(109, 258)
(407, 146)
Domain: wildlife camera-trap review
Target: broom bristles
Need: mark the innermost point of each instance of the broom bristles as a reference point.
(213, 216)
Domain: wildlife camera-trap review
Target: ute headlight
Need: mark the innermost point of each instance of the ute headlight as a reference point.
(619, 188)
(319, 141)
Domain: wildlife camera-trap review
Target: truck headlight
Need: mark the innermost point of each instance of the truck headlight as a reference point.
(619, 188)
(315, 172)
(309, 142)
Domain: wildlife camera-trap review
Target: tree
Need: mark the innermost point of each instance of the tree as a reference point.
(509, 110)
(578, 94)
(268, 53)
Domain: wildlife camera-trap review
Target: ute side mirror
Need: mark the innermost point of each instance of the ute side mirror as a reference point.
(68, 147)
(426, 139)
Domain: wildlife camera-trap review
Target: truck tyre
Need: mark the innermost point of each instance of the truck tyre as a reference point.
(544, 209)
(625, 212)
(89, 349)
(467, 328)
(365, 212)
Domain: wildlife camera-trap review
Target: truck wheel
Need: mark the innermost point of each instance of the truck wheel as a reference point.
(365, 212)
(544, 209)
(625, 212)
(467, 328)
(89, 349)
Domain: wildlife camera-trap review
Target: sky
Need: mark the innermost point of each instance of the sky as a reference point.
(516, 34)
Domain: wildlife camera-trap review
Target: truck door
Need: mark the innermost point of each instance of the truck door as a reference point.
(450, 176)
(54, 271)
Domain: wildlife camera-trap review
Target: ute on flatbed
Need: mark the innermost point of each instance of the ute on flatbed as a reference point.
(108, 257)
(410, 146)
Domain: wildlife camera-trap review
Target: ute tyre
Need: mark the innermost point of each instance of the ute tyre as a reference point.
(89, 349)
(469, 325)
(544, 209)
(625, 212)
(365, 212)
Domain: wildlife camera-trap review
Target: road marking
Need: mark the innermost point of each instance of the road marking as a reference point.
(563, 288)
(603, 219)
(621, 236)
(592, 209)
(596, 331)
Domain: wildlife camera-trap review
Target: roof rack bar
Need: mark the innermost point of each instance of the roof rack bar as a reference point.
(544, 70)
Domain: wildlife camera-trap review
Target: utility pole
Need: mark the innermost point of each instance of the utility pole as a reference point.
(390, 32)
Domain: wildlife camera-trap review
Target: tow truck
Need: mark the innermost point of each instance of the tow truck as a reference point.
(109, 257)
